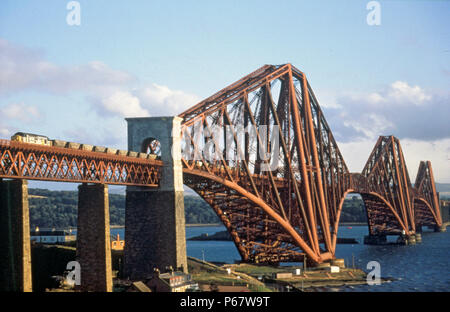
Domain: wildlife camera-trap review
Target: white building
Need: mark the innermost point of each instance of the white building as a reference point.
(52, 236)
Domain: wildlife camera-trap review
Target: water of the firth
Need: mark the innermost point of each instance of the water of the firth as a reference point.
(421, 267)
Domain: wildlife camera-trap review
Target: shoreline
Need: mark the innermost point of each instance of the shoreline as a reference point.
(220, 224)
(203, 224)
(311, 280)
(187, 225)
(352, 223)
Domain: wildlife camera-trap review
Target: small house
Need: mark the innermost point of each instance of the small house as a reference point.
(171, 282)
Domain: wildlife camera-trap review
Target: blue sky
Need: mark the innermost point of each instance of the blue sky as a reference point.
(160, 57)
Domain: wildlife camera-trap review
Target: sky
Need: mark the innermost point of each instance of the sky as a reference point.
(158, 58)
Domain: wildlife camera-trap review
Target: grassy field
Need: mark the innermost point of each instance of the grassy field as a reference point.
(208, 273)
(259, 270)
(322, 279)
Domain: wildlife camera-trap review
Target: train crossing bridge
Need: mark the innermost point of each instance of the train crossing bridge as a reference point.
(260, 152)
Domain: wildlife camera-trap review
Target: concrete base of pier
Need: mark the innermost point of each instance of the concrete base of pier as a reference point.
(15, 251)
(418, 238)
(338, 262)
(411, 239)
(407, 240)
(93, 238)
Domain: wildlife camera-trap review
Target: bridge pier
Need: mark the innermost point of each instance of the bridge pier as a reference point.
(338, 262)
(93, 238)
(411, 239)
(408, 239)
(154, 218)
(15, 250)
(418, 237)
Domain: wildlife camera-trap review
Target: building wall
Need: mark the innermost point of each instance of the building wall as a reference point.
(52, 239)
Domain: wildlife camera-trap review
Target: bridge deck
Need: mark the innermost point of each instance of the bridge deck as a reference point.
(49, 163)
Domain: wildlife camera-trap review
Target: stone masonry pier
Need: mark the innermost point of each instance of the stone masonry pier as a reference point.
(93, 238)
(15, 251)
(154, 218)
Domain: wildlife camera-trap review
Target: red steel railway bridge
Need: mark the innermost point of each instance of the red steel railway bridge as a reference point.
(281, 213)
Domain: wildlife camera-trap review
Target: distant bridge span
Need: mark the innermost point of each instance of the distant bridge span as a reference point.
(293, 210)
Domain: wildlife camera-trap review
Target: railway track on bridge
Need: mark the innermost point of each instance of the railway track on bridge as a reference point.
(28, 161)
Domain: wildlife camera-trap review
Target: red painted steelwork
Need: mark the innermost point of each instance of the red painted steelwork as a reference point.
(39, 162)
(293, 211)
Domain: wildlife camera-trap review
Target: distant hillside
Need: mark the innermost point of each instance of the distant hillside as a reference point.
(353, 210)
(443, 187)
(444, 190)
(58, 209)
(122, 189)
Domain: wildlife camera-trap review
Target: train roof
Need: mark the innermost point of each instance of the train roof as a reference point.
(30, 134)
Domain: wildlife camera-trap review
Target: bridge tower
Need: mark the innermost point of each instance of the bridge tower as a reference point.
(154, 218)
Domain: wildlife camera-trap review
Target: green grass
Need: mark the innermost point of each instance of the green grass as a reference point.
(208, 273)
(258, 270)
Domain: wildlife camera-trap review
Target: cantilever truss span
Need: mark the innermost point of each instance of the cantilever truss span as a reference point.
(284, 203)
(393, 205)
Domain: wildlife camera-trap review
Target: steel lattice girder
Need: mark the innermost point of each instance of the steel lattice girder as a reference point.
(400, 206)
(38, 162)
(293, 210)
(302, 194)
(426, 201)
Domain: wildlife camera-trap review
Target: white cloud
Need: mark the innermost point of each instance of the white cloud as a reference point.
(4, 132)
(27, 69)
(110, 91)
(357, 152)
(162, 101)
(150, 100)
(399, 109)
(375, 98)
(113, 94)
(111, 134)
(378, 124)
(435, 151)
(415, 115)
(20, 111)
(402, 93)
(17, 112)
(123, 104)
